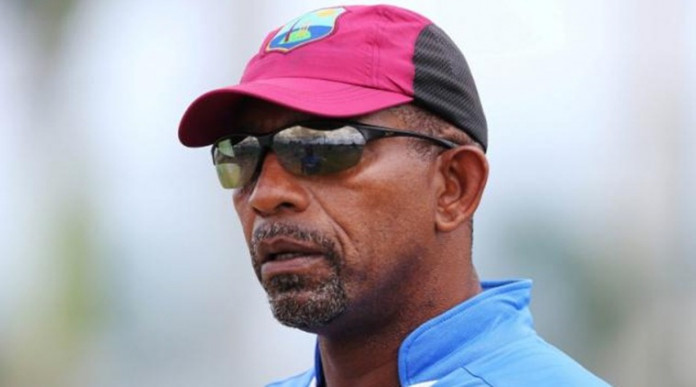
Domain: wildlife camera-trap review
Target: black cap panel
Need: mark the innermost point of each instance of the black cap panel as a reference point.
(443, 83)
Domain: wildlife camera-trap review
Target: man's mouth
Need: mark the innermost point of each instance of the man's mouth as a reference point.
(282, 255)
(285, 256)
(292, 263)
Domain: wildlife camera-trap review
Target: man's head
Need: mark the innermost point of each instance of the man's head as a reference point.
(345, 62)
(360, 221)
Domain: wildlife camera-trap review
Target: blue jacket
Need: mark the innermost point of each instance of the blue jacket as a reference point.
(488, 340)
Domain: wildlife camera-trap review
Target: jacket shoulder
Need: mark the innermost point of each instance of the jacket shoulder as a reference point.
(531, 362)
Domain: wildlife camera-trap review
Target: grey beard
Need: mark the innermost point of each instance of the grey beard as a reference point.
(307, 307)
(297, 301)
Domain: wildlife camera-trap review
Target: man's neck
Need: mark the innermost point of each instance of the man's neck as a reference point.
(368, 356)
(367, 361)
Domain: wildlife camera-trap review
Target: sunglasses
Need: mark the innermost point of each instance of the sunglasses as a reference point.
(305, 148)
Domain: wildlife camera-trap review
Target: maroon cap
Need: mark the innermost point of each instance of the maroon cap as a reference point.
(348, 61)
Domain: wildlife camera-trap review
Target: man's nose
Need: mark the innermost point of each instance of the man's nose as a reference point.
(276, 190)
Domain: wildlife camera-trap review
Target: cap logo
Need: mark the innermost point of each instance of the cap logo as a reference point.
(305, 29)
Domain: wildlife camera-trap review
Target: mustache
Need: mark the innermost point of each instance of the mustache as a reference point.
(296, 232)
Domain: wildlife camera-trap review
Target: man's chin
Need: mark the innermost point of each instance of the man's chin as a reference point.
(308, 309)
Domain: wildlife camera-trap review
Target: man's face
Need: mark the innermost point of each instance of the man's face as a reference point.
(342, 250)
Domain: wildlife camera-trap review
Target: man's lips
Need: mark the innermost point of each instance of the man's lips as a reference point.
(284, 255)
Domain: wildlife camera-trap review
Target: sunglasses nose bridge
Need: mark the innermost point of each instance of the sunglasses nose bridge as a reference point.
(266, 146)
(275, 188)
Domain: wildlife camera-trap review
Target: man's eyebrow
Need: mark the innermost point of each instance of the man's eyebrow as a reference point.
(246, 128)
(288, 121)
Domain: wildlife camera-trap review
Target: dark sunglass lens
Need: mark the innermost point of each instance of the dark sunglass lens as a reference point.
(308, 151)
(236, 162)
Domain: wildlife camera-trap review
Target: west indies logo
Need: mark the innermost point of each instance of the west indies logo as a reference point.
(305, 29)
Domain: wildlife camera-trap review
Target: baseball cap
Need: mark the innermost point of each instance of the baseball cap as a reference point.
(348, 61)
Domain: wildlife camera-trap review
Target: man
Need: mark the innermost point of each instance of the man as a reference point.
(355, 143)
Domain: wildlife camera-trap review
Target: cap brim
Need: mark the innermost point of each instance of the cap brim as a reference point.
(212, 115)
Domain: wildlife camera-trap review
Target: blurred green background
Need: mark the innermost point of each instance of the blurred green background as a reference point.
(122, 262)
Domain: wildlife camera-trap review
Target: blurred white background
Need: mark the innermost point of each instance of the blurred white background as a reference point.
(122, 261)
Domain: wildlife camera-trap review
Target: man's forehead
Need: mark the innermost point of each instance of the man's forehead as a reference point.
(259, 115)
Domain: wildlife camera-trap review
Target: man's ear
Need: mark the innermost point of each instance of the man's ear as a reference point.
(464, 171)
